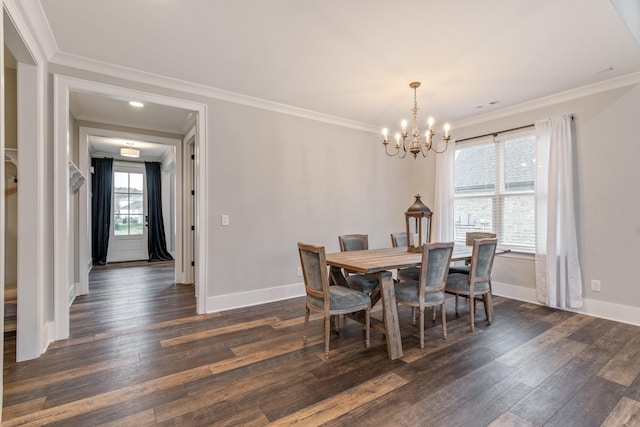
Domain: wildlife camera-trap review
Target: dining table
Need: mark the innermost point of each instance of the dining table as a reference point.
(380, 261)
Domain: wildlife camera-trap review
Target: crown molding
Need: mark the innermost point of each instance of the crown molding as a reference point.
(557, 98)
(32, 12)
(132, 74)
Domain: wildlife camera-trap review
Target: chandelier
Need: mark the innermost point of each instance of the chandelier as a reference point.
(417, 144)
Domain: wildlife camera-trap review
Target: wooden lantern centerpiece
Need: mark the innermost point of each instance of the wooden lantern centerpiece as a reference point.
(418, 221)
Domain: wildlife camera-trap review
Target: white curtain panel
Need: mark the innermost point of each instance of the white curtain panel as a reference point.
(445, 181)
(558, 275)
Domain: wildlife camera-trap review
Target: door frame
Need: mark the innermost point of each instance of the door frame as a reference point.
(32, 327)
(63, 279)
(84, 215)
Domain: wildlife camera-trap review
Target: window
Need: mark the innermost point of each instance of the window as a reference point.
(494, 190)
(128, 206)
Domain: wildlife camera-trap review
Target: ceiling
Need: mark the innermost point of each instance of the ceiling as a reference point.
(354, 59)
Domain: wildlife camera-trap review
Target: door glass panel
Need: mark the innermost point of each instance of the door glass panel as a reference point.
(135, 183)
(120, 182)
(135, 204)
(120, 226)
(121, 203)
(136, 222)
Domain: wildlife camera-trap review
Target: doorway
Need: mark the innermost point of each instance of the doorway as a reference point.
(64, 87)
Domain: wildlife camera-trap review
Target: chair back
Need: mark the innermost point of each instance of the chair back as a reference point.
(473, 235)
(314, 270)
(399, 240)
(353, 242)
(484, 251)
(436, 258)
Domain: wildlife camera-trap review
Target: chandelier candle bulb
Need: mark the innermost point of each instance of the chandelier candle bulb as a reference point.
(446, 129)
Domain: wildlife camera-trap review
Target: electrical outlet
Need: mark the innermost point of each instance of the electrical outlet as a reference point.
(595, 285)
(224, 219)
(299, 271)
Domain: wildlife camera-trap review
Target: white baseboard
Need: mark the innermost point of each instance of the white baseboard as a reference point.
(260, 296)
(596, 308)
(591, 307)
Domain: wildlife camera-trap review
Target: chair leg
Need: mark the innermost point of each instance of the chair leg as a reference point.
(456, 305)
(488, 306)
(421, 327)
(306, 323)
(444, 322)
(327, 330)
(367, 325)
(433, 316)
(337, 323)
(413, 316)
(471, 312)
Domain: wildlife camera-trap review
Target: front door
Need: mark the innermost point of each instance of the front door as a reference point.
(128, 237)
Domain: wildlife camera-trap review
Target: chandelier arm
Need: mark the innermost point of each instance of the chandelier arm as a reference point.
(386, 149)
(403, 151)
(446, 145)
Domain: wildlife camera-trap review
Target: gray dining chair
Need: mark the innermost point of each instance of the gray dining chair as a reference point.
(470, 237)
(399, 240)
(478, 281)
(325, 299)
(428, 290)
(368, 284)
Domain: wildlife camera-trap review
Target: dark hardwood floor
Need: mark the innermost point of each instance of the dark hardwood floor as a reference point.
(139, 355)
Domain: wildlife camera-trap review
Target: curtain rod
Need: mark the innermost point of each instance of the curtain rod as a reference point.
(494, 134)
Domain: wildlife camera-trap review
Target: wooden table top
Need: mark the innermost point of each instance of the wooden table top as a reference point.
(375, 260)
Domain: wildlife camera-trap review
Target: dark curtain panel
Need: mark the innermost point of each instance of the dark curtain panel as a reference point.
(101, 185)
(155, 233)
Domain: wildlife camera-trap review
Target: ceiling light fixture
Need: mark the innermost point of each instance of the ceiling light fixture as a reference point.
(136, 104)
(129, 151)
(417, 145)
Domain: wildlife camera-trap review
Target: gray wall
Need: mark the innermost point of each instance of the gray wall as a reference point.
(284, 179)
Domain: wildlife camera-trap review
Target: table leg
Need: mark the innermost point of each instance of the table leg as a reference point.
(390, 313)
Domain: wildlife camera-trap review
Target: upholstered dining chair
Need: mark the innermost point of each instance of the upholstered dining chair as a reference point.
(478, 281)
(470, 237)
(325, 299)
(399, 240)
(365, 283)
(428, 290)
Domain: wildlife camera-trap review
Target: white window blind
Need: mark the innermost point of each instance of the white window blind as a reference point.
(494, 189)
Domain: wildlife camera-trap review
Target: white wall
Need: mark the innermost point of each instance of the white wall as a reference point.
(606, 127)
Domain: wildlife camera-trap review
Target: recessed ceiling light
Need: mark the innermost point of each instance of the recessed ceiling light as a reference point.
(136, 104)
